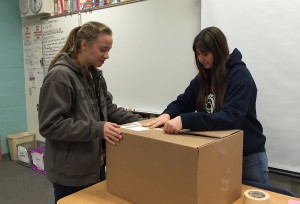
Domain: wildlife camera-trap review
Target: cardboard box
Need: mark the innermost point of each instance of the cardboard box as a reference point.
(150, 167)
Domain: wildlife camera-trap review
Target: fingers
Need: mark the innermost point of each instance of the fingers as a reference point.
(161, 120)
(173, 126)
(115, 125)
(113, 138)
(150, 123)
(115, 131)
(154, 124)
(170, 129)
(111, 133)
(110, 141)
(157, 124)
(114, 134)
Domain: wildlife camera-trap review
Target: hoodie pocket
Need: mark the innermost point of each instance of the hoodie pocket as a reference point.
(50, 155)
(70, 153)
(83, 159)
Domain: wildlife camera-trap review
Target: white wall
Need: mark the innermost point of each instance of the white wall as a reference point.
(32, 48)
(151, 61)
(267, 33)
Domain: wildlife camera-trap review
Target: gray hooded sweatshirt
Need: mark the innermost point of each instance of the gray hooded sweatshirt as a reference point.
(73, 108)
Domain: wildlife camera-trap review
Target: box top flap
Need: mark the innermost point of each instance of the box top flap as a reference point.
(214, 134)
(185, 137)
(180, 139)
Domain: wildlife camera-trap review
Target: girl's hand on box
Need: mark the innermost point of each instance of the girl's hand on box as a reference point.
(160, 121)
(173, 126)
(111, 133)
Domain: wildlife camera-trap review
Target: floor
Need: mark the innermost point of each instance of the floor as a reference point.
(21, 185)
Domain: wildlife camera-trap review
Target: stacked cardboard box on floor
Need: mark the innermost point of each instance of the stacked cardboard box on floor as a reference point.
(196, 168)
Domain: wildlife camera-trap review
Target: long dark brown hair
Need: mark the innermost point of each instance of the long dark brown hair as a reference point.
(89, 31)
(213, 40)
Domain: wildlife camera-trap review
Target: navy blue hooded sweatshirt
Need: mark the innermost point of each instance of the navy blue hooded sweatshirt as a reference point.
(237, 112)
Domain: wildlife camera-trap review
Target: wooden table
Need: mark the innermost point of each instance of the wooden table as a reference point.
(97, 194)
(276, 198)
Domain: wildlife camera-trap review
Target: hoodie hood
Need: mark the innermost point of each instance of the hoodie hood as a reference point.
(235, 59)
(65, 60)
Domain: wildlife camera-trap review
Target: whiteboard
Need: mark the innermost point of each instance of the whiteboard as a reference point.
(55, 32)
(267, 33)
(152, 60)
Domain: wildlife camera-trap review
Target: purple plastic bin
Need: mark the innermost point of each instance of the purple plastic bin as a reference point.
(40, 151)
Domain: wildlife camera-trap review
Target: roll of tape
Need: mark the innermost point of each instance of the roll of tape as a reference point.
(254, 196)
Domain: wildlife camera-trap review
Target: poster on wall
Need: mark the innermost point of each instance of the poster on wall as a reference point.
(32, 38)
(35, 77)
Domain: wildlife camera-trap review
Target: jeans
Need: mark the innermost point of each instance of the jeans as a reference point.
(61, 191)
(255, 168)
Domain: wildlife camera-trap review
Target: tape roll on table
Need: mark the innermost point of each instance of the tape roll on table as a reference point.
(254, 196)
